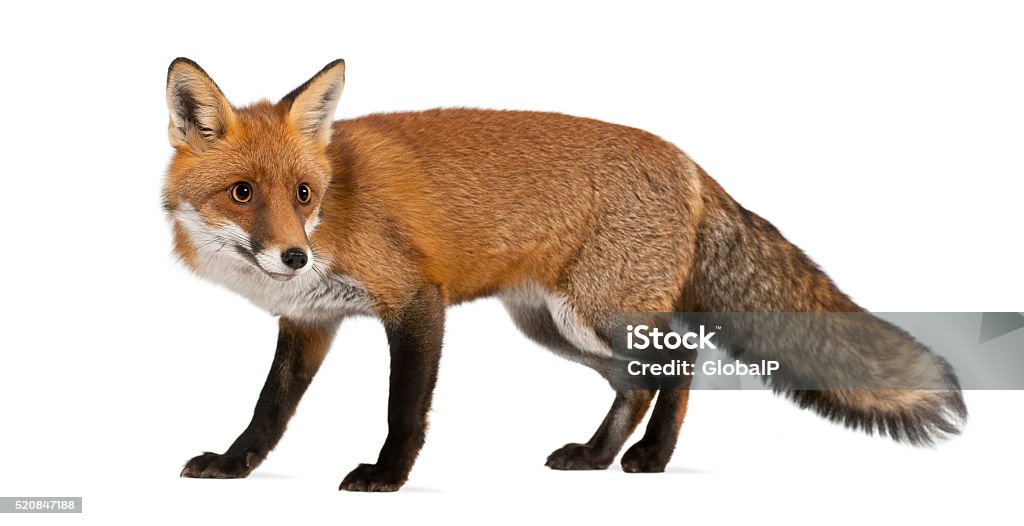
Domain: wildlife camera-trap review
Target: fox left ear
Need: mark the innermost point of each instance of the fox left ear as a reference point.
(311, 106)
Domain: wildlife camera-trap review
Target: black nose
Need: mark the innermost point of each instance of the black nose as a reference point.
(295, 258)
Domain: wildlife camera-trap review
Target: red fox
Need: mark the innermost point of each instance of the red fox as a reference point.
(566, 220)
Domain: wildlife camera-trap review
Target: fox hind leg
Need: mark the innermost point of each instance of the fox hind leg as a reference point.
(652, 452)
(626, 412)
(551, 322)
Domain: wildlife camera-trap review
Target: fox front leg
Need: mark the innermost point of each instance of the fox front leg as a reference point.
(301, 349)
(414, 335)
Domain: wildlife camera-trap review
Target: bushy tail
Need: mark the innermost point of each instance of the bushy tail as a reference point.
(852, 368)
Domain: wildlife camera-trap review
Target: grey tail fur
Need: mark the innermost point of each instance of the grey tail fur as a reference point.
(852, 368)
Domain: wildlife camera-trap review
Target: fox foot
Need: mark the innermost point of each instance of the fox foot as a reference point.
(214, 466)
(645, 458)
(578, 456)
(371, 477)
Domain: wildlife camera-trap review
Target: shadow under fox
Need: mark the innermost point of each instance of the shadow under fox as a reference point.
(566, 220)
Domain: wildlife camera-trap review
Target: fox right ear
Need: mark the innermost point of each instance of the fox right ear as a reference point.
(200, 114)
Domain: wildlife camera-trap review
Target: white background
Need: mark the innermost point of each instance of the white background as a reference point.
(884, 138)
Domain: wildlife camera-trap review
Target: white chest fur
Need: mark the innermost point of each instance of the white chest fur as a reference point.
(316, 294)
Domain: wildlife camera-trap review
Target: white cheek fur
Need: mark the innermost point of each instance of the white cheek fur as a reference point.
(314, 293)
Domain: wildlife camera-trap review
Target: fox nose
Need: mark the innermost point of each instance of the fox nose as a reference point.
(295, 258)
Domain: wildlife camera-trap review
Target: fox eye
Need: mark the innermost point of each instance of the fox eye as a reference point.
(241, 193)
(303, 194)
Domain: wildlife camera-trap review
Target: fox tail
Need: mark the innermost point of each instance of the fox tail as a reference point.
(852, 368)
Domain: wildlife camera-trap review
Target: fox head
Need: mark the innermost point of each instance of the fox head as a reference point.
(245, 184)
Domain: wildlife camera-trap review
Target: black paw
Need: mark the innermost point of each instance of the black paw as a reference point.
(214, 466)
(370, 477)
(578, 456)
(645, 458)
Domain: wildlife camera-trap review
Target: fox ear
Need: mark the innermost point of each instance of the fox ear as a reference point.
(200, 114)
(311, 106)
